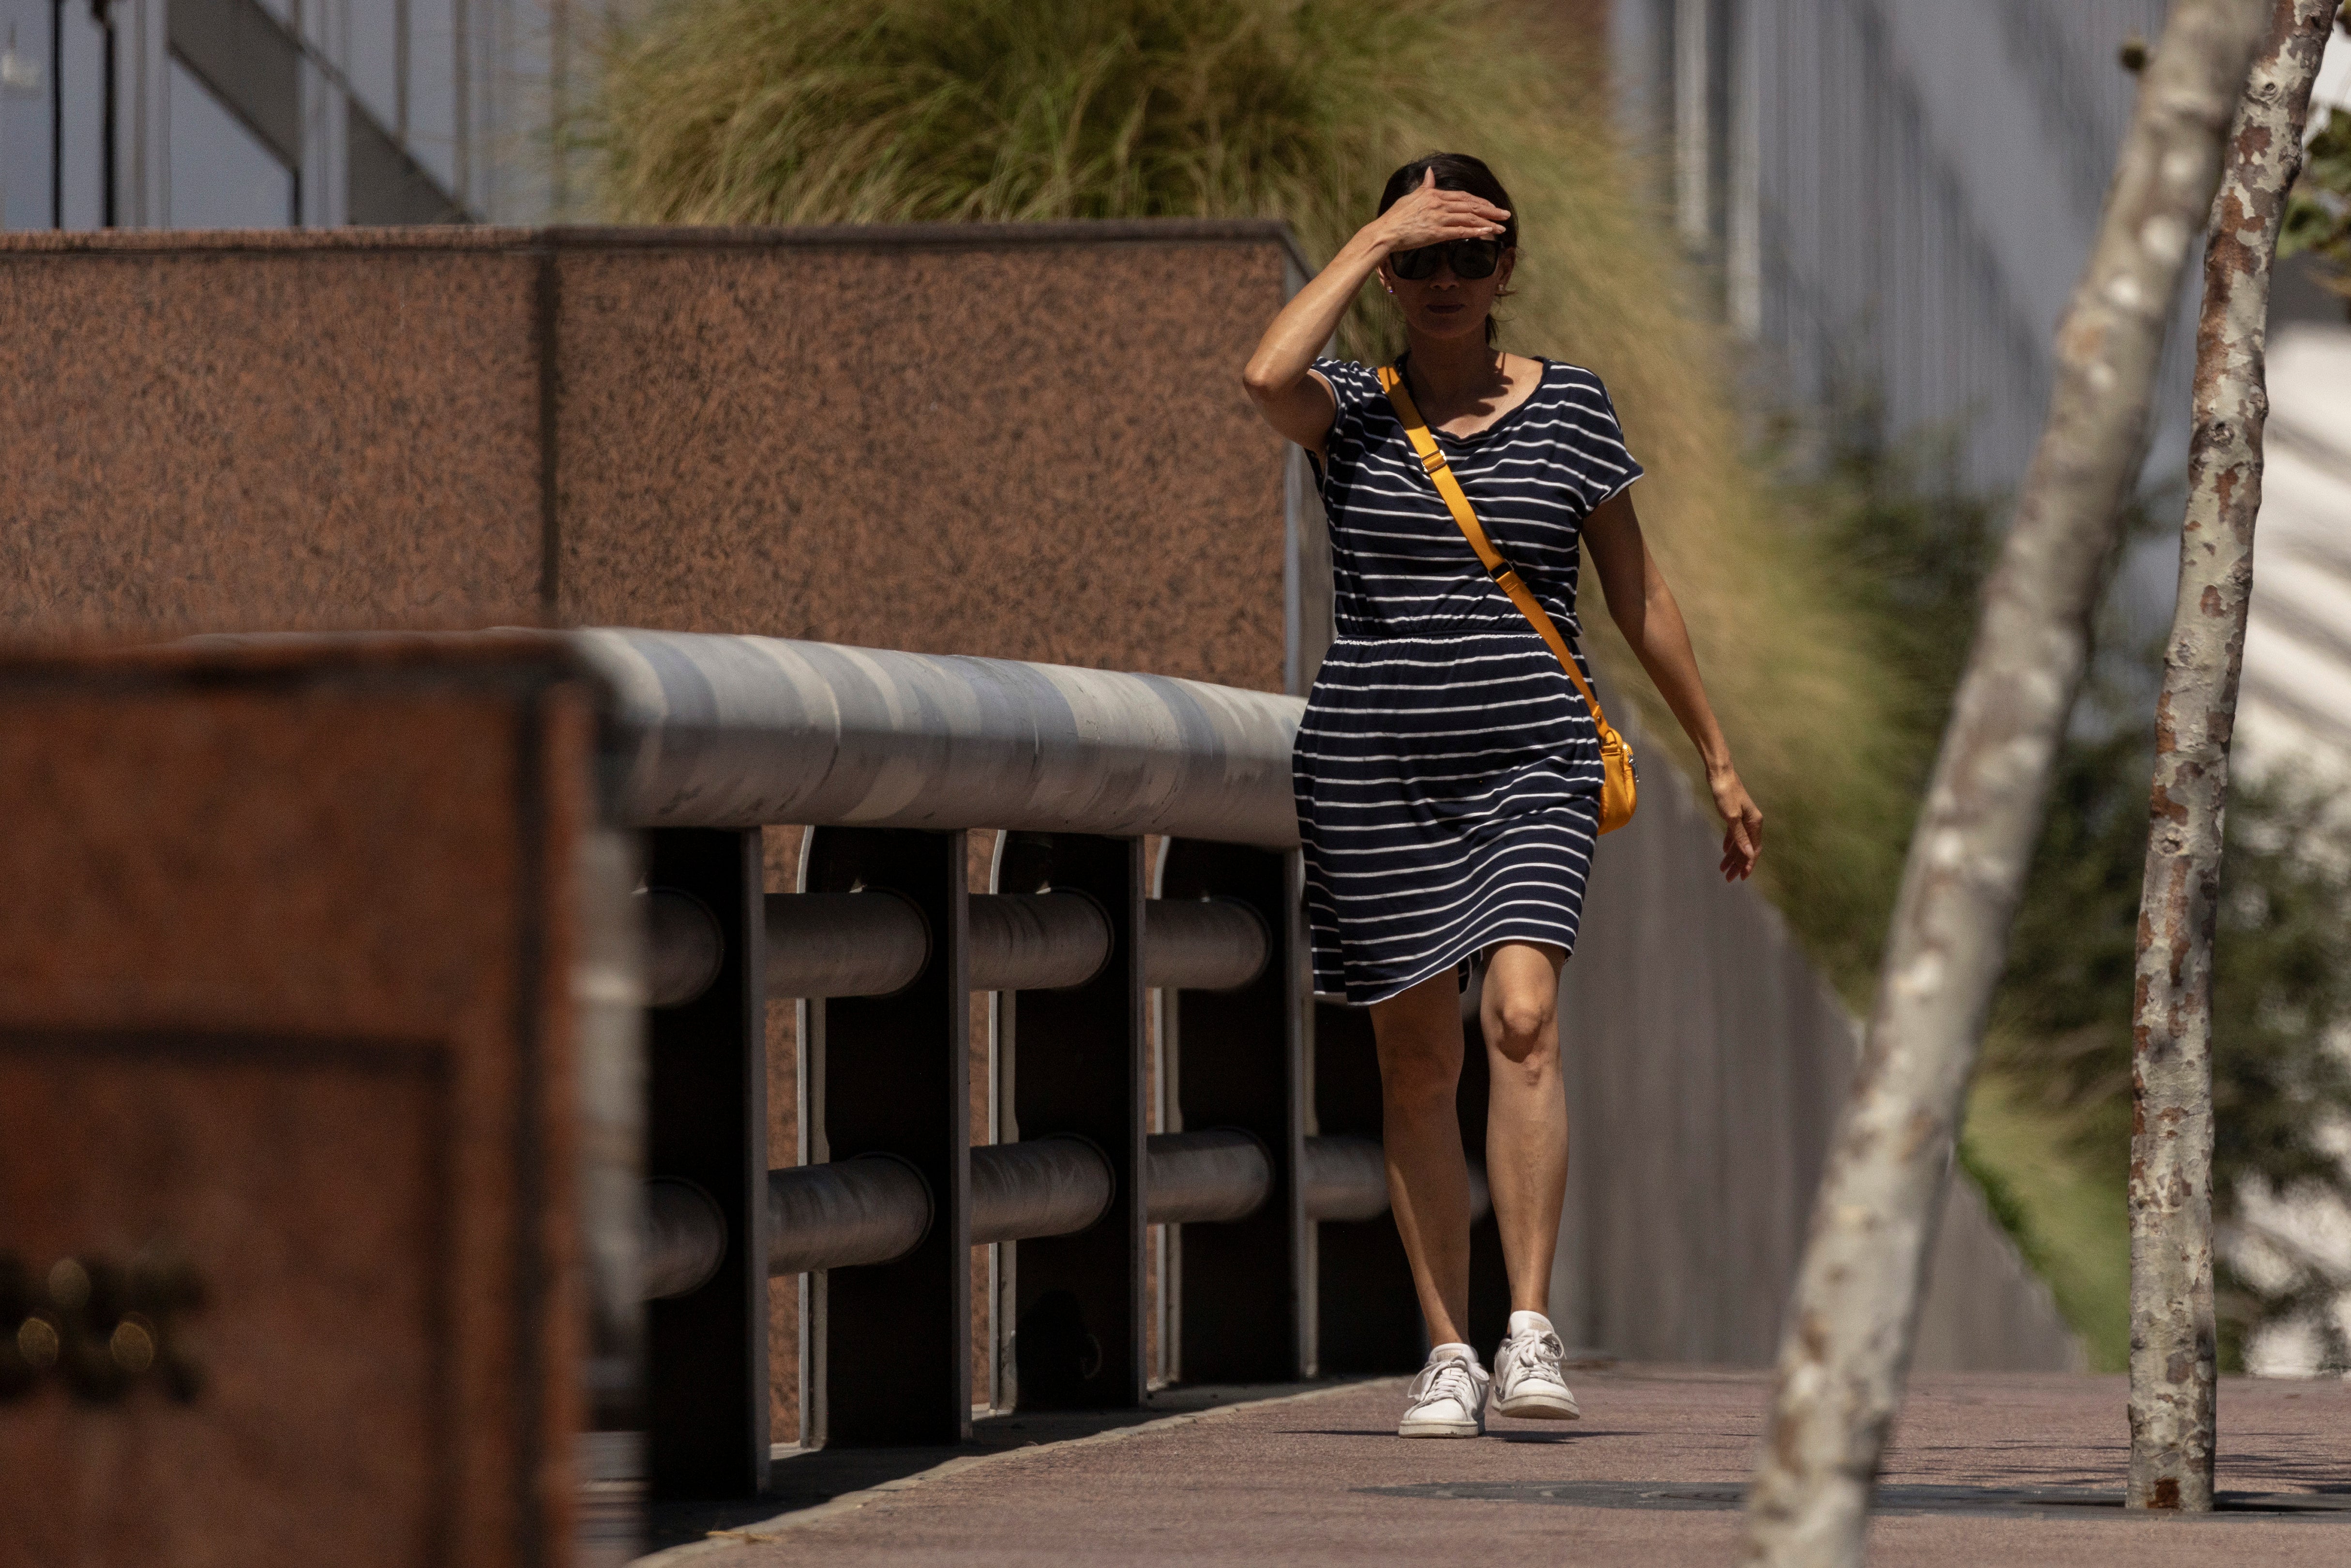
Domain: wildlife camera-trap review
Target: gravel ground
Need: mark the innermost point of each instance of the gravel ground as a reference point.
(1321, 1478)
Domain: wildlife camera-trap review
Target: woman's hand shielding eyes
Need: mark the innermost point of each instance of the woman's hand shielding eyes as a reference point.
(1300, 405)
(1431, 216)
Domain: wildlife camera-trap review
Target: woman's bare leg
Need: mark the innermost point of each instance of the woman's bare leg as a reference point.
(1420, 1045)
(1419, 1035)
(1526, 1113)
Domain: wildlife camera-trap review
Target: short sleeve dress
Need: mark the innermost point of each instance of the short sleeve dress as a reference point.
(1447, 771)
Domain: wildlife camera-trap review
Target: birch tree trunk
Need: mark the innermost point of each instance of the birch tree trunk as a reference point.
(1846, 1346)
(2172, 1394)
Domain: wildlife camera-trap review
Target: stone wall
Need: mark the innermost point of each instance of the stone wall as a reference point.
(1025, 441)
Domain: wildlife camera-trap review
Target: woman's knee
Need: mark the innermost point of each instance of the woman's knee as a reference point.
(1524, 1036)
(1522, 1024)
(1520, 1008)
(1411, 1076)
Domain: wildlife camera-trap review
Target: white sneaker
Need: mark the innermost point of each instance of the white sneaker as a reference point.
(1448, 1397)
(1527, 1379)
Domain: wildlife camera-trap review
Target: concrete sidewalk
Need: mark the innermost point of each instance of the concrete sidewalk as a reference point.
(2018, 1469)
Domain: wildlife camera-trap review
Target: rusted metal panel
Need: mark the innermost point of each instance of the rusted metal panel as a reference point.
(287, 1005)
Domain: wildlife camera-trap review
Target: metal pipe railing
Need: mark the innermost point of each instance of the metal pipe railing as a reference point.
(714, 737)
(1042, 1187)
(684, 1241)
(875, 943)
(866, 944)
(1035, 941)
(877, 1209)
(870, 1209)
(684, 946)
(728, 732)
(1203, 944)
(1196, 1178)
(1345, 1178)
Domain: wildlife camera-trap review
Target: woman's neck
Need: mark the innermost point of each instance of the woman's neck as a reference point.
(1455, 370)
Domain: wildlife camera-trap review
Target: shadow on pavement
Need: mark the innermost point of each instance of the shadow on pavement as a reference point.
(807, 1478)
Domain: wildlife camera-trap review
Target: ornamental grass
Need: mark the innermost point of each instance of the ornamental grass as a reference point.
(829, 112)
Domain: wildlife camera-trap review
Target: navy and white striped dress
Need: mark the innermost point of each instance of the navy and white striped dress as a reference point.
(1447, 771)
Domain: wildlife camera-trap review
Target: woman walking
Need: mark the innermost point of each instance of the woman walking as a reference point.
(1449, 768)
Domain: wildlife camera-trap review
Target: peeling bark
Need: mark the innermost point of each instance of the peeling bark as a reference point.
(1850, 1326)
(2172, 1393)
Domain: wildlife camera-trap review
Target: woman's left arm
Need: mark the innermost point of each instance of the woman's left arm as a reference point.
(1643, 609)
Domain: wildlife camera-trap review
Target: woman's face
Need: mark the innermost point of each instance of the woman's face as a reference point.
(1444, 305)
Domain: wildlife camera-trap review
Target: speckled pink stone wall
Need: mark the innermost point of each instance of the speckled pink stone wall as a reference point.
(238, 432)
(1040, 452)
(1028, 442)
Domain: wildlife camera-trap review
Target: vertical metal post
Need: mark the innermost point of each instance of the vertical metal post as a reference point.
(1370, 1317)
(1079, 1332)
(461, 59)
(1005, 1395)
(559, 108)
(1165, 1074)
(992, 1318)
(706, 1121)
(891, 1074)
(1246, 1063)
(1692, 128)
(57, 114)
(111, 105)
(401, 52)
(1171, 1120)
(815, 1150)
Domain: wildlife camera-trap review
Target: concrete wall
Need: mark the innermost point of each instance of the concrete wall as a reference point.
(1706, 1065)
(1024, 441)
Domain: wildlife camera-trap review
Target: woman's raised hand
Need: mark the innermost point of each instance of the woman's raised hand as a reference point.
(1431, 216)
(1299, 404)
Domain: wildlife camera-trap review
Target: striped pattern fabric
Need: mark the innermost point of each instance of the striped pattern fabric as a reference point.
(1447, 771)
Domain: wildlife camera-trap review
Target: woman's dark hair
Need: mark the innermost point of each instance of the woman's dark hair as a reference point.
(1457, 171)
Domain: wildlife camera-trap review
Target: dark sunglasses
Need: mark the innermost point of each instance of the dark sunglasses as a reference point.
(1470, 258)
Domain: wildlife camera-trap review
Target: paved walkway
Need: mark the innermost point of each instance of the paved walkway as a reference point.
(2018, 1469)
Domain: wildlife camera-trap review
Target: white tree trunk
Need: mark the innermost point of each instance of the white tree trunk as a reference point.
(1846, 1346)
(2171, 1365)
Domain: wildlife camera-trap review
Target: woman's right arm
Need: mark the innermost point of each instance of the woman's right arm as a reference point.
(1279, 376)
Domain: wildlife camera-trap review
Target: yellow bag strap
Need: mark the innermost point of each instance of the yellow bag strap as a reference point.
(1440, 472)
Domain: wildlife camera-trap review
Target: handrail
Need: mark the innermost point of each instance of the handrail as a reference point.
(737, 732)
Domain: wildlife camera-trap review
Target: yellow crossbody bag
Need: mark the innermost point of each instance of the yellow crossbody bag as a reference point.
(1619, 784)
